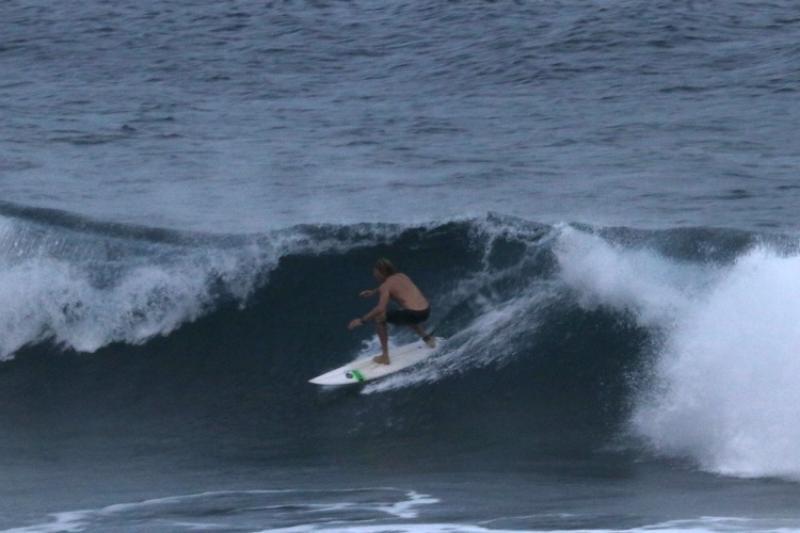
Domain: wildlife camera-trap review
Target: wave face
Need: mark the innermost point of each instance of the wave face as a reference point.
(561, 340)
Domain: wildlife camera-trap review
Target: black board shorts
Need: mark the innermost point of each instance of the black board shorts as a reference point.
(407, 317)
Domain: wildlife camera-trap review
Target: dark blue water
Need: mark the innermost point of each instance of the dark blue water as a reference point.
(598, 198)
(238, 116)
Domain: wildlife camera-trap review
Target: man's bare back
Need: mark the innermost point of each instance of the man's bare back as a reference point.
(404, 292)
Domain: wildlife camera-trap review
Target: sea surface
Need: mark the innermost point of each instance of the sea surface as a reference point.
(599, 197)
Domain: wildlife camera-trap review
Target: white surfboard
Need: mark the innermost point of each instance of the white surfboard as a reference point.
(366, 369)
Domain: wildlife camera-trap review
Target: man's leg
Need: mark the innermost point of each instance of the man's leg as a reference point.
(429, 340)
(383, 335)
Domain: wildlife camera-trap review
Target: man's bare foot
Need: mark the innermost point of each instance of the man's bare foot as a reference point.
(382, 360)
(430, 341)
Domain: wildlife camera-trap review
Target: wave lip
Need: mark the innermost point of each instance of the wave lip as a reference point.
(83, 284)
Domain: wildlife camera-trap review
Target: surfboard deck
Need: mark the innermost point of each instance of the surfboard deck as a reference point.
(363, 370)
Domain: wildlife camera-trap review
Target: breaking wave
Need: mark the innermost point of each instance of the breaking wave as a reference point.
(564, 338)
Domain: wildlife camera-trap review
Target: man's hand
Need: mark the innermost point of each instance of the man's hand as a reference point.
(355, 323)
(367, 293)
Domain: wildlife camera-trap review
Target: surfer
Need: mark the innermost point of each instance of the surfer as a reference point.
(414, 310)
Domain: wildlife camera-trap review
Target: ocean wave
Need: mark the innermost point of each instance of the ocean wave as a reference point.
(680, 341)
(83, 284)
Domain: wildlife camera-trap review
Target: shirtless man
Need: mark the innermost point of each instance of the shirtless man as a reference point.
(399, 287)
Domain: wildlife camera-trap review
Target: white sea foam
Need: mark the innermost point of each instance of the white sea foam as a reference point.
(654, 289)
(728, 394)
(725, 390)
(246, 509)
(357, 510)
(58, 299)
(84, 291)
(698, 525)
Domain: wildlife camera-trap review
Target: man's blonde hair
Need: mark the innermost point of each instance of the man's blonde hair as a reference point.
(385, 267)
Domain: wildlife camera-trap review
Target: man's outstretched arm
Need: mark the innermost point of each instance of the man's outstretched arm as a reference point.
(378, 310)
